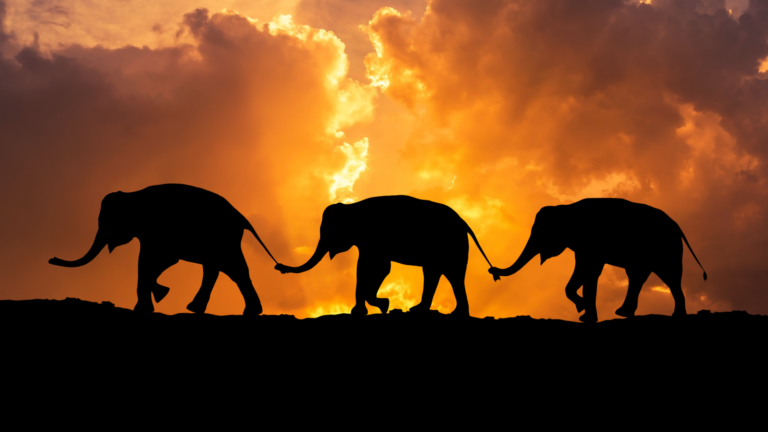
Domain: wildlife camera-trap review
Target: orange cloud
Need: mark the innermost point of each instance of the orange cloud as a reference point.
(657, 102)
(494, 108)
(248, 112)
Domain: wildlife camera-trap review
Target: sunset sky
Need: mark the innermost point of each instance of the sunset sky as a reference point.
(495, 108)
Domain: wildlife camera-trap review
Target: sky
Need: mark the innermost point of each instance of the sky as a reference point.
(495, 108)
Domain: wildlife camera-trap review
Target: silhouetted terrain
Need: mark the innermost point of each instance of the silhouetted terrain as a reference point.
(280, 359)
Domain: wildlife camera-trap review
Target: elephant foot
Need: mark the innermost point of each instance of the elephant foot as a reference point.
(588, 318)
(160, 292)
(197, 306)
(360, 310)
(382, 304)
(144, 307)
(419, 308)
(579, 302)
(253, 310)
(625, 312)
(460, 312)
(679, 313)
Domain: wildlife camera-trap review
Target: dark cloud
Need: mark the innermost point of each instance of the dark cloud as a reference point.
(668, 95)
(3, 35)
(195, 22)
(228, 115)
(510, 105)
(344, 17)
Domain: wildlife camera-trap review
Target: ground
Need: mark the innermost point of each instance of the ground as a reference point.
(51, 347)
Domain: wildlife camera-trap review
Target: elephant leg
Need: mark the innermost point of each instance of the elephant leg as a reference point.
(673, 278)
(371, 272)
(592, 271)
(572, 288)
(237, 269)
(431, 279)
(456, 276)
(637, 278)
(200, 302)
(151, 266)
(376, 279)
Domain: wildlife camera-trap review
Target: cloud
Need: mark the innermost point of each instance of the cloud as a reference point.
(58, 23)
(344, 17)
(3, 12)
(661, 103)
(496, 108)
(249, 112)
(344, 180)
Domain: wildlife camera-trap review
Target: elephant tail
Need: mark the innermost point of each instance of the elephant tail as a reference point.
(694, 255)
(249, 227)
(469, 230)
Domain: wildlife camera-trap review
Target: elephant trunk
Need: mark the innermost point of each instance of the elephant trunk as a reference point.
(528, 253)
(98, 244)
(316, 257)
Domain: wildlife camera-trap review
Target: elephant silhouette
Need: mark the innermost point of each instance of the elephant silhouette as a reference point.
(637, 237)
(176, 222)
(398, 229)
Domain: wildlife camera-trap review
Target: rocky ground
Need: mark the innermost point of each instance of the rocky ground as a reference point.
(59, 345)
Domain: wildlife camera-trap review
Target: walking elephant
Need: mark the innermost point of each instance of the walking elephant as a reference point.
(637, 237)
(176, 222)
(398, 229)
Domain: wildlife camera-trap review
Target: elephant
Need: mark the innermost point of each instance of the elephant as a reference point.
(176, 222)
(636, 237)
(399, 229)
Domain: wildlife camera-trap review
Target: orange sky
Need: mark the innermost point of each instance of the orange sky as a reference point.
(496, 108)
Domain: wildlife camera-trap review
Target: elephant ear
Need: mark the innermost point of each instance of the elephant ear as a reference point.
(112, 208)
(549, 232)
(336, 224)
(115, 219)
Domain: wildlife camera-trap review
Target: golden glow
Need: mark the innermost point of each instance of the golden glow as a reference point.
(375, 64)
(399, 294)
(354, 102)
(763, 65)
(500, 165)
(315, 39)
(331, 309)
(344, 180)
(492, 114)
(303, 250)
(661, 289)
(615, 184)
(227, 11)
(381, 68)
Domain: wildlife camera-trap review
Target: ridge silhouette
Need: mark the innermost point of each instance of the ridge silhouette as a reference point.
(176, 222)
(637, 237)
(399, 229)
(110, 352)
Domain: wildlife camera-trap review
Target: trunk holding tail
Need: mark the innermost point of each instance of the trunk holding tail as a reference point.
(316, 257)
(98, 244)
(472, 234)
(528, 253)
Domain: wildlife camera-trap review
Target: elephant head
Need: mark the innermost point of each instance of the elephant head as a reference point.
(336, 236)
(548, 239)
(114, 229)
